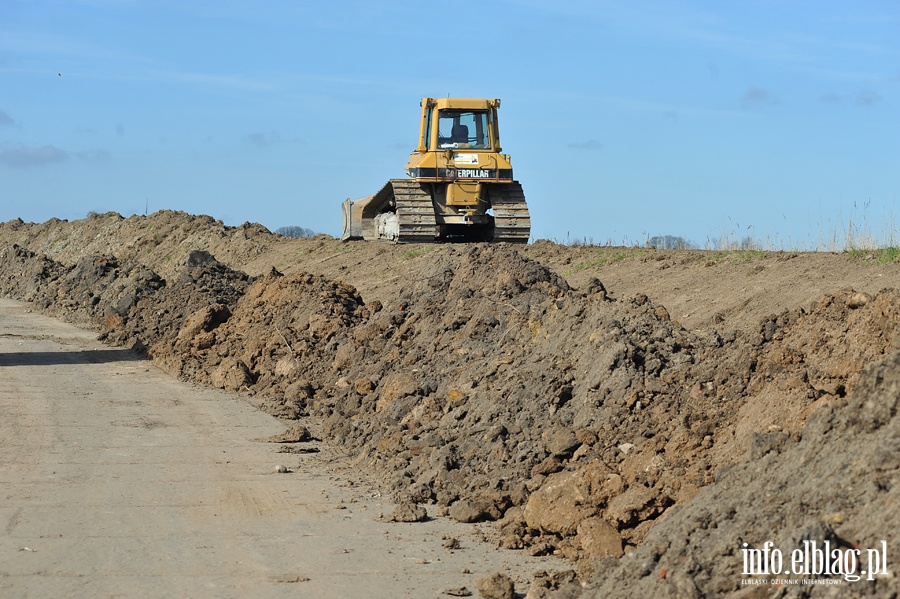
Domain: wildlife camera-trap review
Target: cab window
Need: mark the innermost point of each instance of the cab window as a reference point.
(463, 129)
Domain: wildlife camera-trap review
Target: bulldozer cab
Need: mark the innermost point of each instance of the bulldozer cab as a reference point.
(451, 124)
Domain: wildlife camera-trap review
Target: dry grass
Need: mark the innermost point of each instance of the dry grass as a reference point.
(860, 236)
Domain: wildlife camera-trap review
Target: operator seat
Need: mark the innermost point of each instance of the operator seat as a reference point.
(459, 134)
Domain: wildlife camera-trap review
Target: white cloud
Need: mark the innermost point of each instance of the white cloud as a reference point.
(867, 98)
(24, 156)
(591, 144)
(757, 96)
(262, 140)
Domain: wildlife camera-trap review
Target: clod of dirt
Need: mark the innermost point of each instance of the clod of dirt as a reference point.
(560, 585)
(451, 544)
(496, 586)
(858, 300)
(294, 434)
(282, 469)
(409, 512)
(458, 592)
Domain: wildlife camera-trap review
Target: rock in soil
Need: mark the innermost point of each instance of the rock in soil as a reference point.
(496, 586)
(409, 512)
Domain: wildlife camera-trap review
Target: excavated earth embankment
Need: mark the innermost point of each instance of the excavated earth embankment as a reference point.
(502, 385)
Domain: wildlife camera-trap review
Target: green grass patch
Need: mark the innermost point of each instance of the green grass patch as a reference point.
(590, 264)
(746, 256)
(886, 255)
(628, 255)
(410, 254)
(604, 256)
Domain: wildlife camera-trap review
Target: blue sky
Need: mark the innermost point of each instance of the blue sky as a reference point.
(777, 120)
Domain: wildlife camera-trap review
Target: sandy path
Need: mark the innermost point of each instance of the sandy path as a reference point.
(118, 481)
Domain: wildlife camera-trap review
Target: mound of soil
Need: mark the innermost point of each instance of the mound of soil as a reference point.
(160, 241)
(586, 421)
(837, 485)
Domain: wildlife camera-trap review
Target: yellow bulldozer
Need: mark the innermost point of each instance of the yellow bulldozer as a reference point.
(460, 185)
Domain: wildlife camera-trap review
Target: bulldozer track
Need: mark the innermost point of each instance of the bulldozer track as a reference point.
(512, 223)
(415, 211)
(417, 220)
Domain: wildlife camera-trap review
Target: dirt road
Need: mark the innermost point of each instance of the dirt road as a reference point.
(118, 481)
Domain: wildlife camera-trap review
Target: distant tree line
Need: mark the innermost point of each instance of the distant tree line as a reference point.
(670, 242)
(295, 232)
(725, 242)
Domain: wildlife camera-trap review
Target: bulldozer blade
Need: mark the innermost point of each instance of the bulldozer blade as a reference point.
(349, 232)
